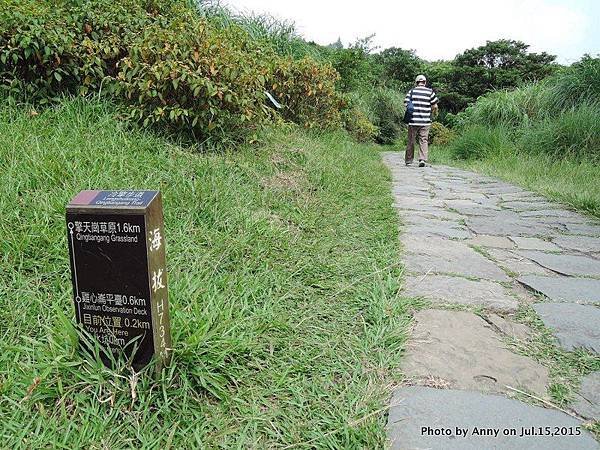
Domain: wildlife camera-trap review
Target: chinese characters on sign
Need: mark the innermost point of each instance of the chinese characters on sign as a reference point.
(119, 273)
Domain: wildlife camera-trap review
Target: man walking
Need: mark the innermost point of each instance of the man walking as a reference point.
(424, 101)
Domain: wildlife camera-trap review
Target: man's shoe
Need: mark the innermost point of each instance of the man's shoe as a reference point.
(421, 163)
(408, 163)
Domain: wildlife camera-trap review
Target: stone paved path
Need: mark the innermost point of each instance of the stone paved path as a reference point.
(472, 241)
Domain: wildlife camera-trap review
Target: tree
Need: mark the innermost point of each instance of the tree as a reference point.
(355, 65)
(498, 64)
(399, 65)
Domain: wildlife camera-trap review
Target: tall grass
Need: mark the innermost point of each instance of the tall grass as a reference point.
(271, 32)
(575, 85)
(559, 116)
(573, 134)
(478, 141)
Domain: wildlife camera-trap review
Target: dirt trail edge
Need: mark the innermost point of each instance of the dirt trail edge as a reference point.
(480, 251)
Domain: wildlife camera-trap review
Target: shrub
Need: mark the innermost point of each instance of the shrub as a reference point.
(358, 125)
(187, 75)
(440, 135)
(164, 63)
(478, 141)
(357, 68)
(387, 107)
(306, 88)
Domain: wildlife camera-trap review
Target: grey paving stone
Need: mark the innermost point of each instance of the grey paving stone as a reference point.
(483, 240)
(575, 326)
(499, 188)
(505, 223)
(564, 289)
(438, 214)
(439, 255)
(585, 244)
(417, 412)
(583, 229)
(454, 195)
(509, 328)
(549, 213)
(565, 264)
(525, 196)
(418, 203)
(587, 402)
(465, 352)
(531, 205)
(517, 264)
(443, 229)
(460, 291)
(473, 210)
(531, 243)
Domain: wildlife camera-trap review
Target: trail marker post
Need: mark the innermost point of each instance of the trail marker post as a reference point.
(118, 269)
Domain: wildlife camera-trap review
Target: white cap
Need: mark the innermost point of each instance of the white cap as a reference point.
(420, 78)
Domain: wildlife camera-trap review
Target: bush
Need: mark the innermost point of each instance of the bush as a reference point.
(388, 106)
(164, 63)
(505, 108)
(187, 75)
(440, 135)
(307, 90)
(522, 106)
(358, 125)
(477, 142)
(385, 109)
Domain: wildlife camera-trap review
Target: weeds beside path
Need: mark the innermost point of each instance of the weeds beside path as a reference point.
(283, 269)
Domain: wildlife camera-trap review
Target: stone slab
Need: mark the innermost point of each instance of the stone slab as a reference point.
(563, 289)
(437, 214)
(448, 230)
(483, 240)
(463, 350)
(587, 402)
(532, 243)
(414, 202)
(477, 211)
(417, 410)
(509, 328)
(549, 213)
(533, 205)
(454, 194)
(460, 291)
(585, 244)
(583, 229)
(515, 263)
(438, 255)
(565, 264)
(505, 224)
(575, 326)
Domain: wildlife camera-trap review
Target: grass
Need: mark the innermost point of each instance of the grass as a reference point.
(569, 181)
(283, 271)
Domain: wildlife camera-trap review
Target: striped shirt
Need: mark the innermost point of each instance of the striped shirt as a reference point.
(423, 98)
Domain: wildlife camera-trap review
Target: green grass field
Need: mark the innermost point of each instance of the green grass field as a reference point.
(284, 276)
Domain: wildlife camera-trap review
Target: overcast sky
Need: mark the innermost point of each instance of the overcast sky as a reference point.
(439, 29)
